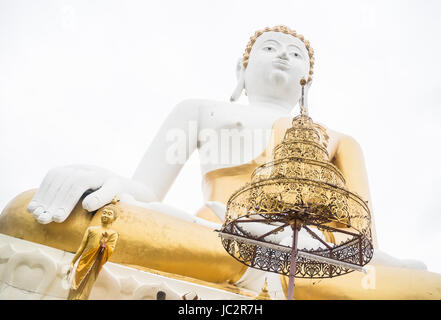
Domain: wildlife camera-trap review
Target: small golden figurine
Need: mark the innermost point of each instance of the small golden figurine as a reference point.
(264, 294)
(97, 246)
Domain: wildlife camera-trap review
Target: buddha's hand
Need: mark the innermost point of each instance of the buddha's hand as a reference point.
(63, 187)
(104, 239)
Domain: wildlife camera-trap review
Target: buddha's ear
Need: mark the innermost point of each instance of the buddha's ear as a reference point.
(239, 68)
(240, 75)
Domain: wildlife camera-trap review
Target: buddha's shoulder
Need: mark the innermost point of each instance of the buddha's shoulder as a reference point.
(93, 229)
(338, 140)
(342, 138)
(204, 103)
(195, 108)
(207, 105)
(328, 133)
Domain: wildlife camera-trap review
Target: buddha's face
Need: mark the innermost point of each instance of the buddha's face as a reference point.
(107, 216)
(277, 63)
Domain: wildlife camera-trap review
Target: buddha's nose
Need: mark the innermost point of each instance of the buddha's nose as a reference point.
(283, 55)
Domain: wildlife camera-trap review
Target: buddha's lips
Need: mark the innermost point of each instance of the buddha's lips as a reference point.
(280, 62)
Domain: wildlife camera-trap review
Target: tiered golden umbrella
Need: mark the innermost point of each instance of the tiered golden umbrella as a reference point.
(300, 191)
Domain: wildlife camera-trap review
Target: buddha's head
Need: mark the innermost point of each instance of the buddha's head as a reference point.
(109, 213)
(274, 62)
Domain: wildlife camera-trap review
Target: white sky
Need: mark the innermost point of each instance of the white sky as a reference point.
(91, 81)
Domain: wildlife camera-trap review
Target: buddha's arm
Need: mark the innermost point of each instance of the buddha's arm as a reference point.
(62, 187)
(170, 149)
(81, 248)
(349, 159)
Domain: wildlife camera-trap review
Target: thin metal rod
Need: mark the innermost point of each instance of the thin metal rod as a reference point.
(272, 231)
(355, 235)
(334, 262)
(302, 102)
(312, 233)
(293, 263)
(251, 220)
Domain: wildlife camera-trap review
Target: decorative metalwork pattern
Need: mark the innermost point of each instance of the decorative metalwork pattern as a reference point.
(299, 168)
(301, 149)
(357, 252)
(300, 185)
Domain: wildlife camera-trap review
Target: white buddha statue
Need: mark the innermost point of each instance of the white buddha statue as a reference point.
(232, 139)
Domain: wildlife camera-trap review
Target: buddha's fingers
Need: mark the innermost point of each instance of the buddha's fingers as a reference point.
(104, 195)
(75, 185)
(86, 180)
(37, 205)
(54, 191)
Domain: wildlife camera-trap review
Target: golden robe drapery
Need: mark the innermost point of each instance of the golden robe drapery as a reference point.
(96, 253)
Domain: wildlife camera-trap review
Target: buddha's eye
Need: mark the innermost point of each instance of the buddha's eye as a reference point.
(268, 49)
(294, 54)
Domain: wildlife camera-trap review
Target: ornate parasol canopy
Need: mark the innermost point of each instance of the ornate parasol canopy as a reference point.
(296, 217)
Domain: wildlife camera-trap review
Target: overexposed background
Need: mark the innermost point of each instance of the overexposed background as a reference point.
(91, 81)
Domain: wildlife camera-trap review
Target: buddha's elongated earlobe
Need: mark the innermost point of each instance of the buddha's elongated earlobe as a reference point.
(239, 88)
(240, 74)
